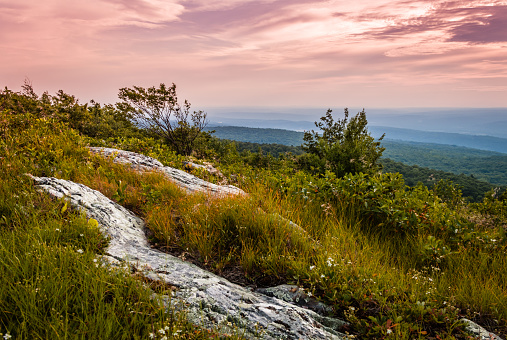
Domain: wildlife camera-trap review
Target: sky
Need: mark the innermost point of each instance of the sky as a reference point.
(269, 53)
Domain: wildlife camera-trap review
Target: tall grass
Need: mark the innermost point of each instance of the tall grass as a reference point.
(53, 285)
(53, 282)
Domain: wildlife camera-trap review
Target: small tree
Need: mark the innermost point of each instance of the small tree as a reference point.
(344, 146)
(158, 111)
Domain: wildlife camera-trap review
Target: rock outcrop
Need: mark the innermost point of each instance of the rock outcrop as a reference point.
(183, 179)
(479, 332)
(297, 296)
(208, 300)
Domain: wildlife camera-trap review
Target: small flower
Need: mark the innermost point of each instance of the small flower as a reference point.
(161, 331)
(7, 336)
(312, 267)
(55, 230)
(95, 260)
(152, 336)
(389, 331)
(322, 276)
(80, 251)
(81, 235)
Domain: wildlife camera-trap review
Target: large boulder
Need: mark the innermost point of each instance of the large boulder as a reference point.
(209, 300)
(187, 181)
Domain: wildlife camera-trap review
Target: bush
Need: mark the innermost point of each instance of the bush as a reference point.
(158, 110)
(344, 146)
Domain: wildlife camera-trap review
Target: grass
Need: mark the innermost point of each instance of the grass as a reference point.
(54, 285)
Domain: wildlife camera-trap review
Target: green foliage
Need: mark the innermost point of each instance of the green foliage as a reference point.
(468, 168)
(91, 120)
(394, 261)
(258, 135)
(345, 146)
(158, 110)
(272, 149)
(54, 284)
(482, 165)
(472, 188)
(493, 210)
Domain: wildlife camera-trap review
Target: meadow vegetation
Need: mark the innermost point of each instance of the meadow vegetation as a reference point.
(396, 262)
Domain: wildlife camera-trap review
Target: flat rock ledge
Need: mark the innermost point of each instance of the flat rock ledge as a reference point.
(208, 300)
(188, 182)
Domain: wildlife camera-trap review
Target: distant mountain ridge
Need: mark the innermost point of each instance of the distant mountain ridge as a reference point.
(295, 138)
(471, 141)
(468, 121)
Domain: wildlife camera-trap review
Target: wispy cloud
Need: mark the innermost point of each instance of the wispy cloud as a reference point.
(265, 48)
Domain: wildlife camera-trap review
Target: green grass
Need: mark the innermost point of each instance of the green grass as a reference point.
(54, 284)
(386, 283)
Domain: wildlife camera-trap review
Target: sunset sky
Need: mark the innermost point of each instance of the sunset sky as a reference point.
(276, 53)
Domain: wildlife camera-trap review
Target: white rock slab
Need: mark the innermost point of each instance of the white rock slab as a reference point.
(183, 179)
(479, 332)
(208, 300)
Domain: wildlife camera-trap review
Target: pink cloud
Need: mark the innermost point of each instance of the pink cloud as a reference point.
(285, 51)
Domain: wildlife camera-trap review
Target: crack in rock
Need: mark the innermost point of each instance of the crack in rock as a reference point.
(208, 300)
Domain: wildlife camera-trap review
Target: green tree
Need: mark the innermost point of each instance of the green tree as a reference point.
(91, 119)
(345, 146)
(158, 110)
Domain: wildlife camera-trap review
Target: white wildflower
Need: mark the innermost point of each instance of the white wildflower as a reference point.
(389, 331)
(312, 267)
(80, 251)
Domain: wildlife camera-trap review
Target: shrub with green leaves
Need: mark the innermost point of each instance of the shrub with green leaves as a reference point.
(344, 146)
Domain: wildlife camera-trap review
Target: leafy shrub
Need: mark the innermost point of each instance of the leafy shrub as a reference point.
(344, 146)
